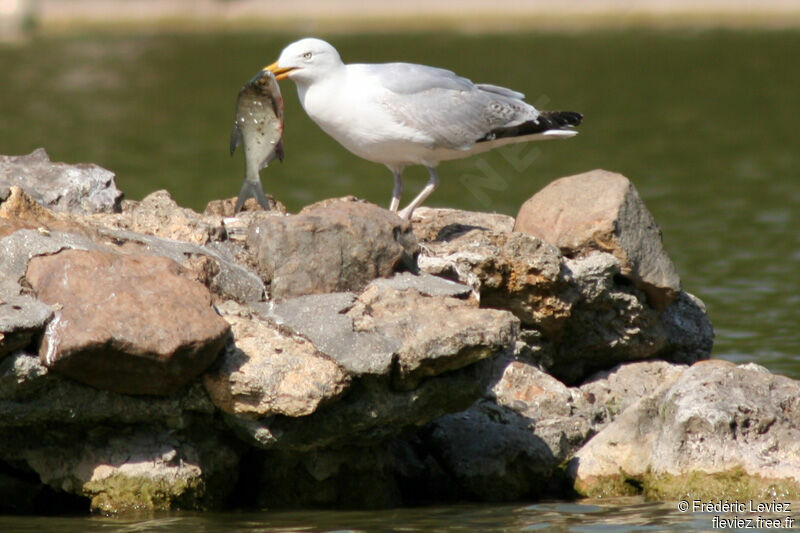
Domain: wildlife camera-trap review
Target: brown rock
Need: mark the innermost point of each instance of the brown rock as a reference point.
(158, 214)
(268, 370)
(130, 324)
(438, 224)
(602, 210)
(437, 333)
(226, 206)
(511, 271)
(333, 247)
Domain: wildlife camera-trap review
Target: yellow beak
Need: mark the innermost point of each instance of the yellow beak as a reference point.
(281, 73)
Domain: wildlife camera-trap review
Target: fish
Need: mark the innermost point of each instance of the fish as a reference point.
(259, 127)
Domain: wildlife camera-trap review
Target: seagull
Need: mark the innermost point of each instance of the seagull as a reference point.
(403, 114)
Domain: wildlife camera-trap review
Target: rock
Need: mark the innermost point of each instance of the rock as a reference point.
(718, 431)
(82, 188)
(101, 336)
(612, 322)
(336, 247)
(338, 478)
(32, 398)
(438, 224)
(332, 332)
(423, 283)
(602, 210)
(617, 389)
(225, 207)
(158, 214)
(21, 319)
(140, 470)
(268, 370)
(511, 444)
(511, 271)
(492, 453)
(368, 414)
(437, 334)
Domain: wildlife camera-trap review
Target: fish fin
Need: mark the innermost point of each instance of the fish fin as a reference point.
(271, 157)
(236, 137)
(251, 189)
(279, 150)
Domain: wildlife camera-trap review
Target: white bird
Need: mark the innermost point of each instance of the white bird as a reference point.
(402, 114)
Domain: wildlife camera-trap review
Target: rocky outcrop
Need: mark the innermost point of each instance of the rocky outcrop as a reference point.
(714, 429)
(82, 188)
(313, 355)
(602, 211)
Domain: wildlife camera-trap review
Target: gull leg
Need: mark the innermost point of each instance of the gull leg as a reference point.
(397, 192)
(433, 182)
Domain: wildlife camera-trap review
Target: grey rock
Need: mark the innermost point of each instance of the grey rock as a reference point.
(437, 334)
(82, 188)
(32, 397)
(21, 319)
(493, 453)
(23, 245)
(717, 431)
(322, 319)
(617, 389)
(423, 283)
(337, 246)
(602, 211)
(508, 445)
(613, 322)
(267, 370)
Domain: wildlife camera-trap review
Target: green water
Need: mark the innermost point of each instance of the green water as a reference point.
(704, 123)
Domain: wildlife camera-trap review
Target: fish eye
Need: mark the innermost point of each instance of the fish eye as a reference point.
(307, 56)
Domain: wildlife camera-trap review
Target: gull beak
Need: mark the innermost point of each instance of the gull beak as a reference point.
(281, 73)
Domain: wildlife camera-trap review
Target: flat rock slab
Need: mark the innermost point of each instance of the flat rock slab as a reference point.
(601, 210)
(716, 431)
(425, 284)
(82, 188)
(322, 319)
(336, 246)
(436, 333)
(129, 324)
(268, 370)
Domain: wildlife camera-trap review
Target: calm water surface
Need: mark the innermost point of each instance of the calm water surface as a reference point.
(704, 123)
(618, 515)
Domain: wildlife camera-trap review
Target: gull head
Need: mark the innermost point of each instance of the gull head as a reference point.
(306, 61)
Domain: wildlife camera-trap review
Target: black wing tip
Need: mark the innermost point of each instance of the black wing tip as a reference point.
(547, 120)
(563, 118)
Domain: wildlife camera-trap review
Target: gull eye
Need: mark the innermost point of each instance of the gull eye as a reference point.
(307, 56)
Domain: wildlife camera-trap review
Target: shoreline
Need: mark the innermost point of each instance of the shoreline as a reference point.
(471, 16)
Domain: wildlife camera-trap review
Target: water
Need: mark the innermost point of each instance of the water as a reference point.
(617, 515)
(703, 122)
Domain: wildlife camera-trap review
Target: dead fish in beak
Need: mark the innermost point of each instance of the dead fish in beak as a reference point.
(259, 127)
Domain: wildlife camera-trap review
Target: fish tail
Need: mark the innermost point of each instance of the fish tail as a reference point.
(251, 189)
